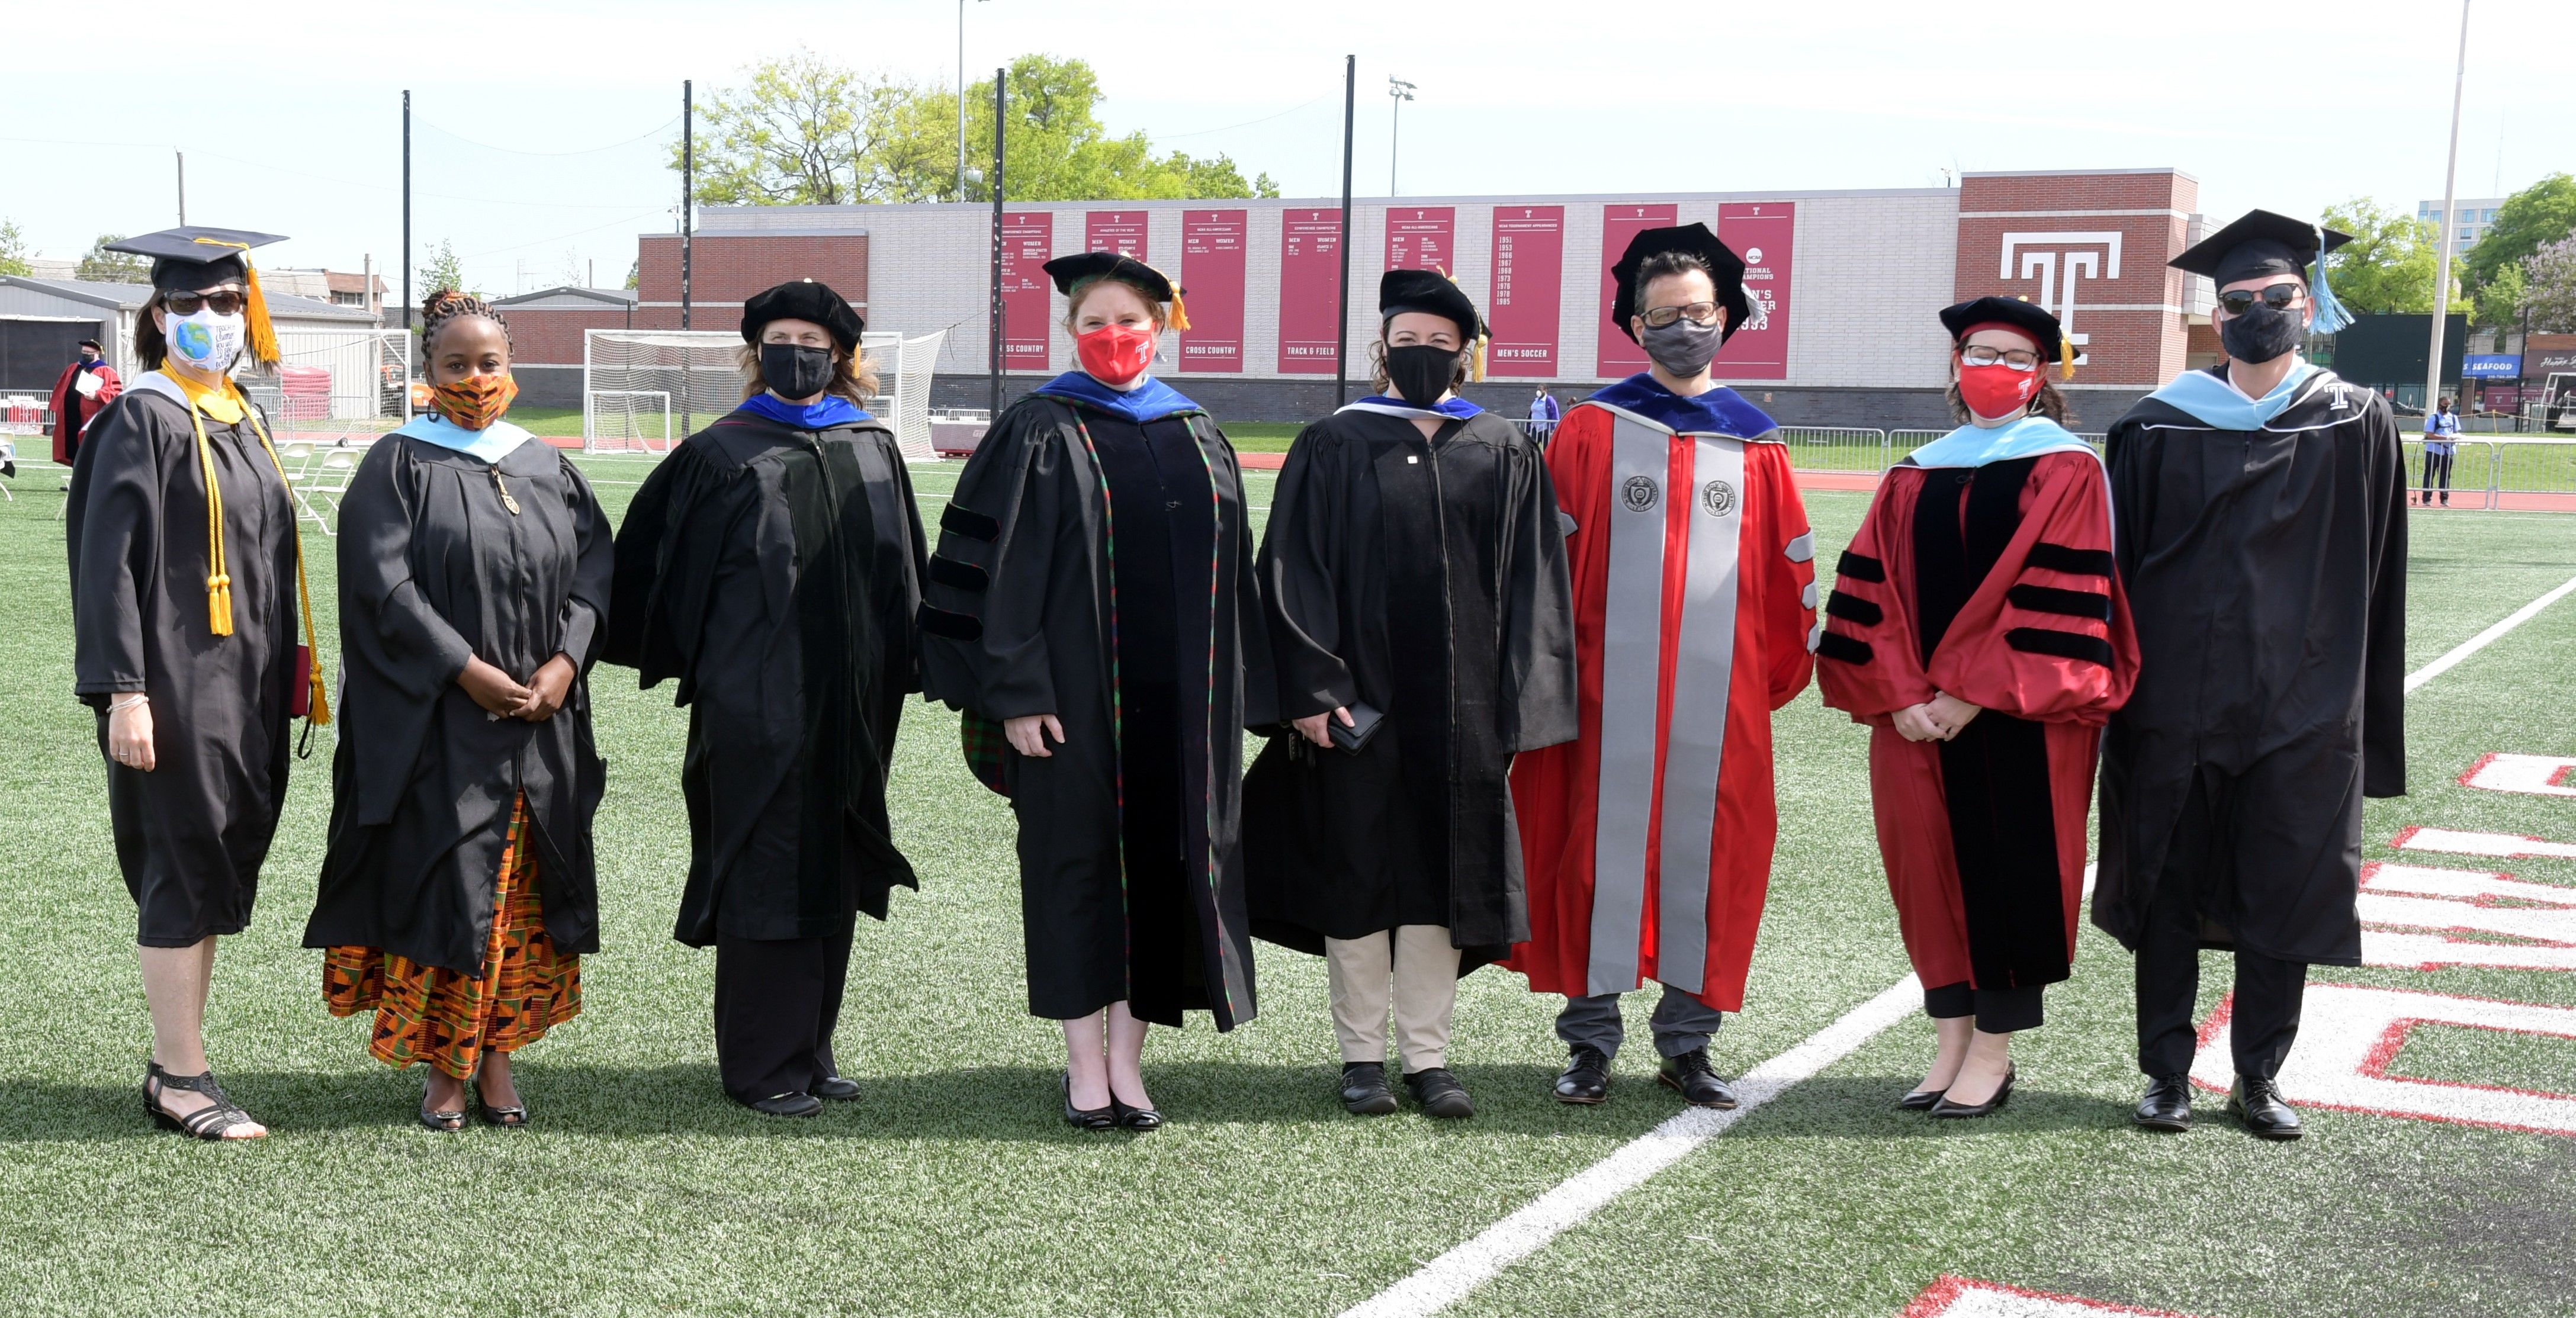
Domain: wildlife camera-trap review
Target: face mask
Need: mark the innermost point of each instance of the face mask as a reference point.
(475, 401)
(1997, 390)
(1421, 373)
(2262, 333)
(205, 341)
(1685, 347)
(1116, 354)
(795, 370)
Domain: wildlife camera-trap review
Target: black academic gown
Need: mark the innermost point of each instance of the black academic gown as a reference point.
(435, 567)
(191, 833)
(1025, 615)
(773, 571)
(1426, 579)
(2266, 572)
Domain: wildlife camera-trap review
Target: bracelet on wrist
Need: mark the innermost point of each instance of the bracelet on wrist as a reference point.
(120, 705)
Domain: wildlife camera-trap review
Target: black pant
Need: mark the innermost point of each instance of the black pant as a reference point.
(2437, 466)
(776, 1003)
(2268, 991)
(1998, 1011)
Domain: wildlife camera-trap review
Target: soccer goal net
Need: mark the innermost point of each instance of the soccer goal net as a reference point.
(645, 390)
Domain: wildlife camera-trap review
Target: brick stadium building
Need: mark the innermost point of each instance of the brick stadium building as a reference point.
(1849, 281)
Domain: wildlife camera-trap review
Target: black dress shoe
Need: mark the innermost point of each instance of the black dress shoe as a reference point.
(2167, 1105)
(1920, 1100)
(839, 1089)
(1695, 1080)
(1946, 1109)
(1439, 1093)
(2256, 1102)
(1586, 1080)
(1092, 1118)
(791, 1104)
(1364, 1089)
(1134, 1118)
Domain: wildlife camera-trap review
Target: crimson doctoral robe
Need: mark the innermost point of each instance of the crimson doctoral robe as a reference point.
(1648, 838)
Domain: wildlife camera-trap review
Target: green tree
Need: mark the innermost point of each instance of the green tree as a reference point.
(13, 249)
(102, 266)
(2549, 277)
(441, 268)
(1058, 150)
(2528, 221)
(2391, 263)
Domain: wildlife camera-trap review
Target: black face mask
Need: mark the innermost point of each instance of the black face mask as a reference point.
(2262, 333)
(794, 370)
(1421, 373)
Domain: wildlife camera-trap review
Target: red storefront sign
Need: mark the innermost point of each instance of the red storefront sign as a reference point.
(1529, 283)
(1212, 279)
(1619, 225)
(1122, 232)
(1028, 243)
(1420, 237)
(1310, 290)
(1760, 232)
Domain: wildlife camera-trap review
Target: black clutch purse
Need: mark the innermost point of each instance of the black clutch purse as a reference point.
(1364, 722)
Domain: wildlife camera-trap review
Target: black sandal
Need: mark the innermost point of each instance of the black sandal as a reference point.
(445, 1123)
(507, 1118)
(213, 1122)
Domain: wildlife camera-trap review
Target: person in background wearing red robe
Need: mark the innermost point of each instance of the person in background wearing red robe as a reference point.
(1648, 839)
(73, 405)
(1977, 627)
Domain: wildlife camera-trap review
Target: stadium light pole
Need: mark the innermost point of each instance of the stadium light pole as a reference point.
(408, 355)
(994, 402)
(688, 232)
(1342, 309)
(1399, 91)
(961, 98)
(2450, 190)
(182, 157)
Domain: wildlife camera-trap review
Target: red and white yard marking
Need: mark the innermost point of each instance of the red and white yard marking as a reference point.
(2466, 901)
(2348, 1034)
(2507, 846)
(2532, 775)
(1961, 1297)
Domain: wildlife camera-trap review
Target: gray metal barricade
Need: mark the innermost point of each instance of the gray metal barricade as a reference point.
(1835, 448)
(2528, 467)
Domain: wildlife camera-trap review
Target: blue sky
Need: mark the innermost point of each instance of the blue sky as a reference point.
(539, 138)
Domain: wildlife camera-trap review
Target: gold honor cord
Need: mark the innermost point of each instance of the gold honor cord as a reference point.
(219, 581)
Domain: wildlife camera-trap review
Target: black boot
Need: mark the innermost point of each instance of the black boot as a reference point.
(1696, 1081)
(1364, 1089)
(2167, 1105)
(1587, 1078)
(1439, 1093)
(2256, 1101)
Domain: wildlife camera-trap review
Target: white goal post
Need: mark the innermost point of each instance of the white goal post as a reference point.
(645, 390)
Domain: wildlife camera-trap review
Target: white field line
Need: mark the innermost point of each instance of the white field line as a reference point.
(1449, 1278)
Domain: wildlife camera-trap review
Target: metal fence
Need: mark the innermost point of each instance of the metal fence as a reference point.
(1836, 448)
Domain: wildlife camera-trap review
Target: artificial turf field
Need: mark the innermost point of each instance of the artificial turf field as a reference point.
(955, 1187)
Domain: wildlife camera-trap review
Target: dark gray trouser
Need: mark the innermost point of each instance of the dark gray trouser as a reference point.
(1681, 1023)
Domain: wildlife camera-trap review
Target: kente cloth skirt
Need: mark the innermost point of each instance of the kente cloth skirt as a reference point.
(449, 1020)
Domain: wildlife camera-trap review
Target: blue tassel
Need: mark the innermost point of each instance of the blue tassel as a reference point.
(2331, 315)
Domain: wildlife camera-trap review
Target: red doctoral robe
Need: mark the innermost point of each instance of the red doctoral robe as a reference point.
(72, 412)
(1648, 838)
(1994, 584)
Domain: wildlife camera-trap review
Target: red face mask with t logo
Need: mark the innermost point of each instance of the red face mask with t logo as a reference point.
(1116, 354)
(1997, 390)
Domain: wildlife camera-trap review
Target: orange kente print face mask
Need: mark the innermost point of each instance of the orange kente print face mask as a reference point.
(475, 401)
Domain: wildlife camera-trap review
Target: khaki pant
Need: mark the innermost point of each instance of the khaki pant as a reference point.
(1421, 966)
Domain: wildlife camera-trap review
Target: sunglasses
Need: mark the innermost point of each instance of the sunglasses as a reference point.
(2279, 297)
(223, 302)
(1700, 313)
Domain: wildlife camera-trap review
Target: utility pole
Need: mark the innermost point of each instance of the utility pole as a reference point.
(688, 231)
(2450, 191)
(183, 185)
(1399, 91)
(1342, 320)
(408, 354)
(994, 403)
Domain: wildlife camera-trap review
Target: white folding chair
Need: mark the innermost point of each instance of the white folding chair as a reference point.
(325, 485)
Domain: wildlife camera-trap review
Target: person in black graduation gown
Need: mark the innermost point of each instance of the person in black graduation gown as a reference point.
(184, 610)
(459, 892)
(1092, 609)
(772, 565)
(1415, 568)
(2260, 514)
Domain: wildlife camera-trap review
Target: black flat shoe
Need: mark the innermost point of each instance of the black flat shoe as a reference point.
(213, 1122)
(790, 1104)
(2256, 1104)
(1094, 1118)
(1695, 1080)
(1364, 1089)
(507, 1118)
(1920, 1100)
(1439, 1093)
(2167, 1105)
(445, 1123)
(1586, 1080)
(839, 1089)
(1946, 1109)
(1134, 1118)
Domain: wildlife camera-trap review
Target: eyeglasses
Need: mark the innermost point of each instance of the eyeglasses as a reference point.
(1700, 313)
(2014, 359)
(223, 302)
(2279, 297)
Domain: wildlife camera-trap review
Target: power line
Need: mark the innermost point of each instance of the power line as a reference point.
(585, 151)
(1203, 132)
(495, 251)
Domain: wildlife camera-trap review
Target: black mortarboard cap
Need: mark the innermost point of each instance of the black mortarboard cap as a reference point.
(2020, 314)
(2259, 243)
(1068, 271)
(1725, 268)
(804, 299)
(1400, 291)
(186, 260)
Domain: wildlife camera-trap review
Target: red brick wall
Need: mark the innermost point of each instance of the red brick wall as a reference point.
(725, 270)
(552, 336)
(2130, 339)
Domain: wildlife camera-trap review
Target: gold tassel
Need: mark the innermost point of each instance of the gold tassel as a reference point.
(1476, 369)
(2065, 358)
(1180, 311)
(263, 334)
(219, 582)
(219, 604)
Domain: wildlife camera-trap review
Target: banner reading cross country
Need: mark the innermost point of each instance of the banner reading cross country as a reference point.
(1420, 237)
(1619, 224)
(1310, 290)
(1760, 232)
(1528, 288)
(1212, 277)
(1028, 243)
